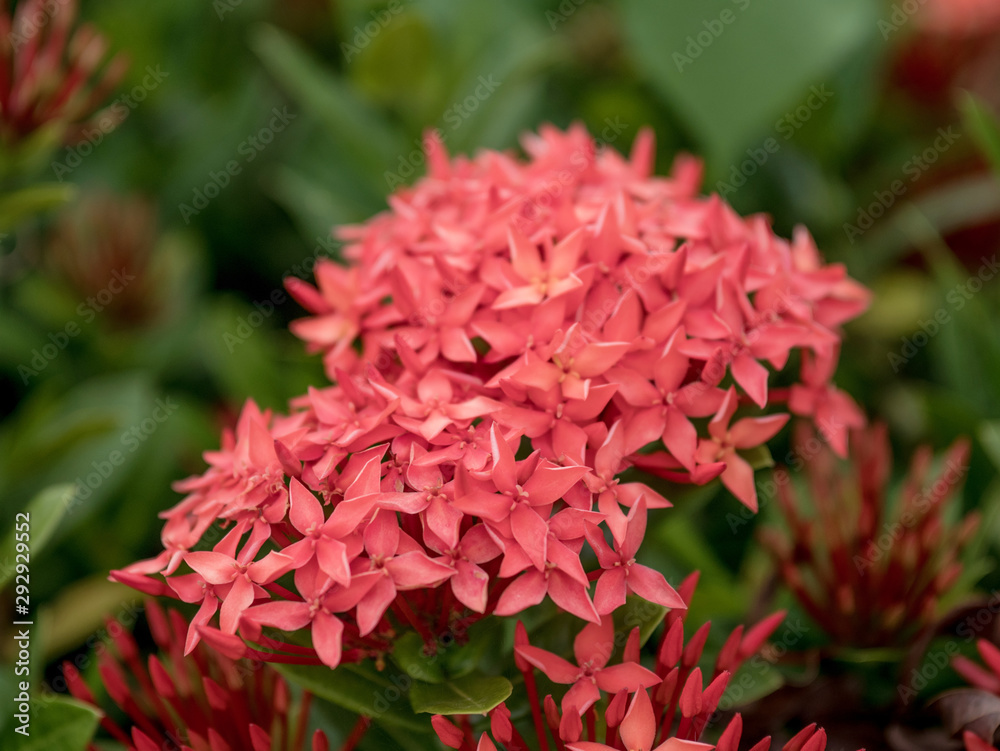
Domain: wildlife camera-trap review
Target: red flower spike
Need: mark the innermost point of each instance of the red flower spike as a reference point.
(259, 738)
(552, 715)
(571, 726)
(988, 678)
(973, 742)
(320, 742)
(617, 709)
(143, 742)
(448, 734)
(756, 635)
(694, 647)
(632, 652)
(798, 741)
(729, 654)
(205, 698)
(833, 558)
(500, 724)
(730, 738)
(672, 645)
(50, 72)
(691, 702)
(520, 640)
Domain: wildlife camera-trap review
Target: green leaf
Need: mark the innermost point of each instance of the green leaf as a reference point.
(983, 126)
(37, 199)
(349, 118)
(642, 613)
(408, 652)
(754, 680)
(485, 644)
(725, 65)
(56, 724)
(989, 436)
(759, 457)
(469, 695)
(44, 513)
(359, 688)
(29, 155)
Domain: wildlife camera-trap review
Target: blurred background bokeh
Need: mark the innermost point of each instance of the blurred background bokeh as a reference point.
(143, 246)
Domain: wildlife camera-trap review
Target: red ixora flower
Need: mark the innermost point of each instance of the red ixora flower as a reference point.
(197, 702)
(632, 707)
(870, 577)
(501, 354)
(574, 290)
(375, 532)
(50, 72)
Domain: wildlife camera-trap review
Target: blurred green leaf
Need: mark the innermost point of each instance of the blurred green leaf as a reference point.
(759, 457)
(367, 136)
(754, 680)
(44, 512)
(408, 652)
(57, 724)
(485, 642)
(470, 694)
(29, 155)
(732, 80)
(359, 688)
(983, 126)
(18, 206)
(964, 348)
(637, 613)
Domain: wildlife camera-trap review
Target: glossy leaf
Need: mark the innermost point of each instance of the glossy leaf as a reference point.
(468, 695)
(724, 65)
(44, 514)
(359, 688)
(58, 724)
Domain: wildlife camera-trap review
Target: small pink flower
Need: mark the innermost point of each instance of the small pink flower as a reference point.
(726, 439)
(622, 574)
(591, 675)
(638, 731)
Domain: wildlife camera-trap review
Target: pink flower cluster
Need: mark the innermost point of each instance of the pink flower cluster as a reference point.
(506, 341)
(576, 291)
